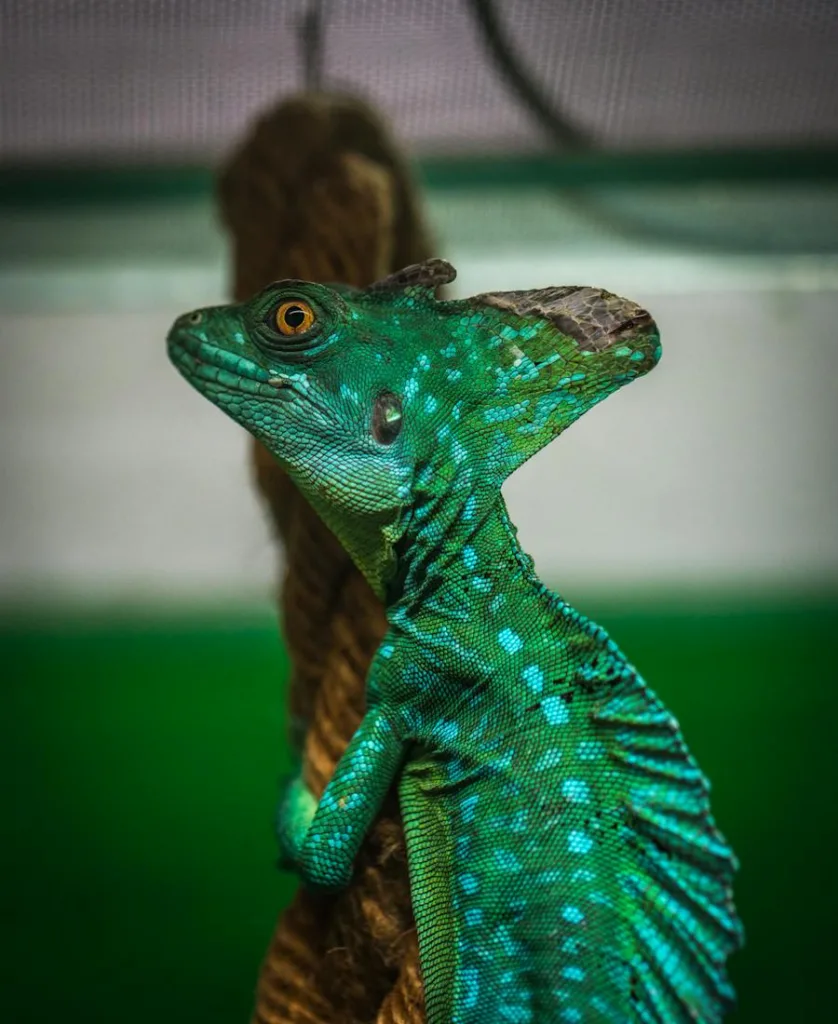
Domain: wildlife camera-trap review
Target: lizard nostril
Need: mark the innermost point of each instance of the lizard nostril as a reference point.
(195, 318)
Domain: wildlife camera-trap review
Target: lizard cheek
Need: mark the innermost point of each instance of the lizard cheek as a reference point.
(387, 418)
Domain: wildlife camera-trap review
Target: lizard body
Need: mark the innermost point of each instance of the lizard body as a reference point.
(563, 859)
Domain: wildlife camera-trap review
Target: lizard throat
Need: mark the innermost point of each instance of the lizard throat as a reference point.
(457, 559)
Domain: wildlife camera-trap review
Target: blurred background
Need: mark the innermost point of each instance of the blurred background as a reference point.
(684, 154)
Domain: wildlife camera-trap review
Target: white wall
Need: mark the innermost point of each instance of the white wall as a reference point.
(117, 480)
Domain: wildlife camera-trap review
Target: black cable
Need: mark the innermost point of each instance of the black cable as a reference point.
(568, 137)
(557, 125)
(310, 30)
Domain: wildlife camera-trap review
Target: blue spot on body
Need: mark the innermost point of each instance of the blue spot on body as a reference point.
(525, 369)
(504, 760)
(447, 731)
(469, 883)
(511, 947)
(578, 842)
(534, 678)
(474, 915)
(411, 388)
(590, 750)
(467, 807)
(510, 641)
(503, 413)
(507, 861)
(471, 987)
(431, 404)
(576, 790)
(572, 914)
(555, 710)
(573, 973)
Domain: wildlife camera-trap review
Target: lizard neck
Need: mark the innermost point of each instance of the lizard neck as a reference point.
(457, 560)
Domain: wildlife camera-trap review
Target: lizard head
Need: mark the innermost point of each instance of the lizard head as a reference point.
(386, 404)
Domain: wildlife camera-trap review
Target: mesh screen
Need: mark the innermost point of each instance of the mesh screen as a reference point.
(175, 79)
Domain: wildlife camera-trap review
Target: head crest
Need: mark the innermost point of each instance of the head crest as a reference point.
(591, 317)
(541, 358)
(428, 275)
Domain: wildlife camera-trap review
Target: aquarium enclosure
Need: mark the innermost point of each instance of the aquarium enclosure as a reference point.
(684, 154)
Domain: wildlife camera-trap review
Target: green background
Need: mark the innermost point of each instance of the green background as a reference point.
(141, 756)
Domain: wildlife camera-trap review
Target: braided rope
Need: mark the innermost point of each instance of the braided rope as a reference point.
(318, 191)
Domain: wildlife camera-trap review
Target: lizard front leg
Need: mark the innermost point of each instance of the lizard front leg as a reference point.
(322, 839)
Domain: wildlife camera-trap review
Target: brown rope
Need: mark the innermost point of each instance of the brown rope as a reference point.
(318, 191)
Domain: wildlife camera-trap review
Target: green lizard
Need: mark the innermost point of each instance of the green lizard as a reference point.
(563, 860)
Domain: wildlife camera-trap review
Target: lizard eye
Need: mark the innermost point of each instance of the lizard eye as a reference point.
(387, 417)
(294, 317)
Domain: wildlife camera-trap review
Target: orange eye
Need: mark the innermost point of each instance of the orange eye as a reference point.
(294, 317)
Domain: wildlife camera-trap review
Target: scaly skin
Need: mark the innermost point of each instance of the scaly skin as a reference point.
(564, 862)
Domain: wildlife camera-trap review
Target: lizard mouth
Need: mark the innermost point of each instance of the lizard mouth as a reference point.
(212, 369)
(216, 368)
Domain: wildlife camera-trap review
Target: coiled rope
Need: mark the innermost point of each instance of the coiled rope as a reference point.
(318, 190)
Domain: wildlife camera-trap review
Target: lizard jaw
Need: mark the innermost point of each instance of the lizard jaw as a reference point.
(201, 362)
